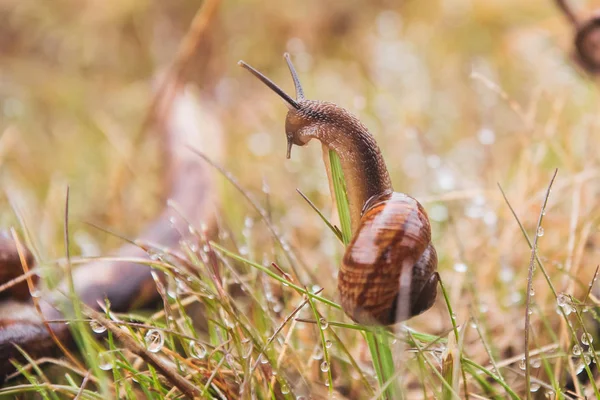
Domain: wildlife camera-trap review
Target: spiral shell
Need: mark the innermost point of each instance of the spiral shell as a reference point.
(390, 261)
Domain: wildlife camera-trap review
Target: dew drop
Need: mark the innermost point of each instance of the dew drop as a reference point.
(535, 362)
(460, 267)
(587, 338)
(324, 366)
(549, 394)
(263, 359)
(36, 293)
(540, 231)
(534, 387)
(318, 354)
(105, 361)
(97, 327)
(522, 365)
(569, 309)
(324, 323)
(197, 350)
(532, 292)
(562, 299)
(327, 383)
(154, 340)
(576, 350)
(328, 344)
(285, 389)
(587, 359)
(246, 348)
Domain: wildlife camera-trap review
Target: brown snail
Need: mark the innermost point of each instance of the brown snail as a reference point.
(587, 37)
(388, 272)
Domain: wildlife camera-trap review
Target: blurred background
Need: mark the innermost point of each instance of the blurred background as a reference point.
(460, 94)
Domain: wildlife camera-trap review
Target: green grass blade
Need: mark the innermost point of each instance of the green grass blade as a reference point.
(341, 196)
(379, 347)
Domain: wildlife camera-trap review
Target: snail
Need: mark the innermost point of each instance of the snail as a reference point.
(587, 37)
(388, 271)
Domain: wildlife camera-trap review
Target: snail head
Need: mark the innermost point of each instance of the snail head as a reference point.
(301, 112)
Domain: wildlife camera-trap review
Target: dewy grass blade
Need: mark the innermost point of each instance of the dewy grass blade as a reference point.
(530, 285)
(341, 197)
(547, 278)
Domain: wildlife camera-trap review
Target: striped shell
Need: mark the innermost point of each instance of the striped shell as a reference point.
(389, 262)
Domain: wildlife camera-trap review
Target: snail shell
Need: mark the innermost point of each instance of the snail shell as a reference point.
(392, 242)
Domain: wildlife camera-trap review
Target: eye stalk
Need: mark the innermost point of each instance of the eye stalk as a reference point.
(292, 104)
(297, 85)
(270, 84)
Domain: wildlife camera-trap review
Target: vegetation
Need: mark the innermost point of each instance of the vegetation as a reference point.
(475, 105)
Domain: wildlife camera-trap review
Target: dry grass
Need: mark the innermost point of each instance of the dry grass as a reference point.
(461, 96)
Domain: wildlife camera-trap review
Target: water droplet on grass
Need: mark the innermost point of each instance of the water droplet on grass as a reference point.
(324, 323)
(197, 350)
(154, 340)
(562, 300)
(105, 361)
(97, 327)
(318, 354)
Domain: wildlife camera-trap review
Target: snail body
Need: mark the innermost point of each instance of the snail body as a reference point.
(388, 272)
